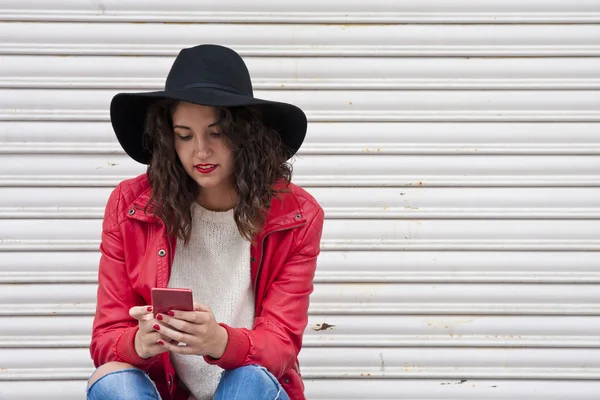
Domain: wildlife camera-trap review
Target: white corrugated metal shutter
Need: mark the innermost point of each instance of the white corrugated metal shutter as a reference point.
(453, 144)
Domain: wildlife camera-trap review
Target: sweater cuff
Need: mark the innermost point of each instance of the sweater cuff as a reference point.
(125, 350)
(236, 352)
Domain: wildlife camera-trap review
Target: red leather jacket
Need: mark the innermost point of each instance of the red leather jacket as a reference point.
(137, 256)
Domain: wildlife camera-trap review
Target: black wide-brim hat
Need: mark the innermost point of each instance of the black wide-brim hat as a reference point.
(209, 75)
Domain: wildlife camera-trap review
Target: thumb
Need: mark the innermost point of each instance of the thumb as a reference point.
(201, 307)
(139, 312)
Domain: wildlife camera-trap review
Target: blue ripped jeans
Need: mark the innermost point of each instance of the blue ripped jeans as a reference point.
(244, 383)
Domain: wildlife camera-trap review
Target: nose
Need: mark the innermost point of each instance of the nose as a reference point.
(202, 147)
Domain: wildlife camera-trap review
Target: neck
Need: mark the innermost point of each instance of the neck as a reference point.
(217, 198)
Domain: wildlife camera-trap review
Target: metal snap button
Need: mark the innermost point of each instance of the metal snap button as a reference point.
(162, 253)
(131, 212)
(286, 381)
(298, 216)
(252, 259)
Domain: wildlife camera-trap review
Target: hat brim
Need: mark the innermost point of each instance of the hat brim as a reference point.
(128, 116)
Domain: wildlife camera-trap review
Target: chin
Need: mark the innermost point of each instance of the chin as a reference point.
(208, 183)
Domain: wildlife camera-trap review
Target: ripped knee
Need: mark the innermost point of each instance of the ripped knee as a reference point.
(106, 369)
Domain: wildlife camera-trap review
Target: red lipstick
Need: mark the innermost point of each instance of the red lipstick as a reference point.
(206, 168)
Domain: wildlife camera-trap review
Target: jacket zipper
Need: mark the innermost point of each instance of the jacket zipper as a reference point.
(297, 367)
(262, 242)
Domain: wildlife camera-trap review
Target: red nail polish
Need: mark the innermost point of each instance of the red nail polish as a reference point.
(161, 342)
(159, 317)
(149, 309)
(156, 327)
(171, 313)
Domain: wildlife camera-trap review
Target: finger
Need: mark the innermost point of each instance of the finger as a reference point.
(174, 348)
(201, 307)
(155, 348)
(193, 317)
(166, 339)
(172, 333)
(147, 317)
(140, 311)
(180, 325)
(165, 319)
(147, 326)
(149, 338)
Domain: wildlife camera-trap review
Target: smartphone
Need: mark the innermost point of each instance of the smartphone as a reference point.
(166, 299)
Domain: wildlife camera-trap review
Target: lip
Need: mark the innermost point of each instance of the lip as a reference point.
(205, 168)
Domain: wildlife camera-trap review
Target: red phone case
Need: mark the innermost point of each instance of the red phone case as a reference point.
(166, 299)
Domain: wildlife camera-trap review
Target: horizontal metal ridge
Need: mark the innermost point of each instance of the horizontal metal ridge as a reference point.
(334, 181)
(409, 212)
(349, 116)
(71, 341)
(303, 17)
(413, 372)
(339, 149)
(48, 277)
(352, 245)
(45, 374)
(450, 340)
(312, 51)
(364, 372)
(83, 341)
(315, 84)
(87, 309)
(325, 276)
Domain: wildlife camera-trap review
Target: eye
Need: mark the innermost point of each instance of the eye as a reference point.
(184, 137)
(215, 134)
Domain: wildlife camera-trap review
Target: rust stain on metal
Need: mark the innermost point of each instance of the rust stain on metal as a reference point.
(323, 327)
(454, 383)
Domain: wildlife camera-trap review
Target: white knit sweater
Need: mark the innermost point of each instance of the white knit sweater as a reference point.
(215, 264)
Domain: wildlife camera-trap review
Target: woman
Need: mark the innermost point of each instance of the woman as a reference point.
(215, 213)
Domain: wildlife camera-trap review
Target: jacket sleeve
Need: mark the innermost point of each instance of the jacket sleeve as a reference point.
(114, 329)
(276, 338)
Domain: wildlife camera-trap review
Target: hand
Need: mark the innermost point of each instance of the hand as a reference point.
(198, 329)
(146, 338)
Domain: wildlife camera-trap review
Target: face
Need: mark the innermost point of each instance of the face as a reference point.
(201, 147)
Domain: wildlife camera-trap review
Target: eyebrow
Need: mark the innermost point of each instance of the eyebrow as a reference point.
(189, 129)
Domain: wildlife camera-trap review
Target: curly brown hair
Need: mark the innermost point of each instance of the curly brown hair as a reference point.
(260, 161)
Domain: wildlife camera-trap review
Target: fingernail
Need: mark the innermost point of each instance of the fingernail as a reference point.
(156, 327)
(171, 313)
(161, 342)
(149, 309)
(159, 317)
